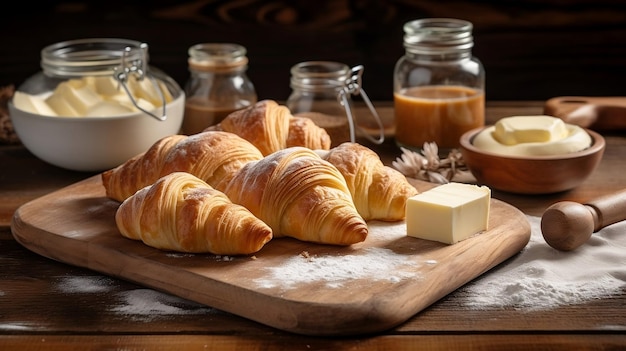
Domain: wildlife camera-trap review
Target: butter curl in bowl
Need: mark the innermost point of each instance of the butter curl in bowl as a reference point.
(532, 154)
(91, 124)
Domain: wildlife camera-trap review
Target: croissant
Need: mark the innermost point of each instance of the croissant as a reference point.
(212, 156)
(379, 192)
(299, 195)
(271, 127)
(304, 132)
(180, 212)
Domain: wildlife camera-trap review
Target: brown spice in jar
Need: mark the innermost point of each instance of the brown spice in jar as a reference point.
(337, 127)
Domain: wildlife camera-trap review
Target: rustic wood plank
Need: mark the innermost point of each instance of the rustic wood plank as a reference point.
(504, 341)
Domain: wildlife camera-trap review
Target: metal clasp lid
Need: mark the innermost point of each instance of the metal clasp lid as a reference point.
(138, 67)
(353, 86)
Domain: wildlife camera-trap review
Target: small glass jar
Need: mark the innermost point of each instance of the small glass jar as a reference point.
(439, 87)
(101, 57)
(321, 91)
(217, 86)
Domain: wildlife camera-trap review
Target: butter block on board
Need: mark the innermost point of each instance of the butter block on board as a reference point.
(448, 213)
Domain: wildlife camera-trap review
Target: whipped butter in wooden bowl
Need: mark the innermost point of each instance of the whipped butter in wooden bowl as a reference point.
(532, 154)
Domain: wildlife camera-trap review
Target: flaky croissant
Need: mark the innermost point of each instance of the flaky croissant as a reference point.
(379, 192)
(271, 127)
(212, 156)
(182, 213)
(299, 195)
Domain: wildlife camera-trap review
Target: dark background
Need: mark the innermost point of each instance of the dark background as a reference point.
(531, 49)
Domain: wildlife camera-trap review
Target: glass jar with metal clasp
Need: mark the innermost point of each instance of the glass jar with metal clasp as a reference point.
(116, 69)
(95, 103)
(323, 90)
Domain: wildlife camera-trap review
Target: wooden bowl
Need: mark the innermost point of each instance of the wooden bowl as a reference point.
(533, 174)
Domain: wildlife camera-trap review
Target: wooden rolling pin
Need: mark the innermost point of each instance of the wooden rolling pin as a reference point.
(597, 113)
(566, 225)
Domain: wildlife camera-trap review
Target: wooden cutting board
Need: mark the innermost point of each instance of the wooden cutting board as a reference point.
(290, 285)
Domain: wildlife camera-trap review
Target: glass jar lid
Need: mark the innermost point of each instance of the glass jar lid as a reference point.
(319, 75)
(217, 57)
(92, 57)
(438, 35)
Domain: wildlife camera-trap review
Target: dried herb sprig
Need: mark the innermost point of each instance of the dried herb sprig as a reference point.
(428, 166)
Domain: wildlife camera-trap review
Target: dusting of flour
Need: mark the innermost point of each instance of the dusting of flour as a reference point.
(146, 304)
(85, 284)
(541, 277)
(138, 304)
(371, 263)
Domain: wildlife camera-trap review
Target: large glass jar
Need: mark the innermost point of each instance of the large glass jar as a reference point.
(322, 90)
(439, 87)
(217, 86)
(95, 104)
(119, 65)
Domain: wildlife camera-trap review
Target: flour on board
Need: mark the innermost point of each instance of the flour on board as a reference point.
(371, 263)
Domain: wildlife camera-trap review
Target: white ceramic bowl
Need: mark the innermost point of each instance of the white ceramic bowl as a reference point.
(94, 143)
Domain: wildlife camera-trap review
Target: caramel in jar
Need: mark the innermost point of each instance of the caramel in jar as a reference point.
(200, 114)
(439, 114)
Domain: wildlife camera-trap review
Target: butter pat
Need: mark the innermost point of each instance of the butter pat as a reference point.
(532, 136)
(100, 96)
(73, 98)
(32, 104)
(448, 213)
(104, 85)
(529, 129)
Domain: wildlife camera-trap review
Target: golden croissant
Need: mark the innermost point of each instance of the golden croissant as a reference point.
(271, 127)
(212, 156)
(379, 192)
(180, 212)
(299, 195)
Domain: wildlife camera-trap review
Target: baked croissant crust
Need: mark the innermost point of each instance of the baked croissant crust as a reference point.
(304, 132)
(180, 212)
(271, 127)
(212, 156)
(299, 195)
(379, 192)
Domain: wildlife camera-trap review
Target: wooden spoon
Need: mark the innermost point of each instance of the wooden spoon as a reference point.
(566, 225)
(597, 113)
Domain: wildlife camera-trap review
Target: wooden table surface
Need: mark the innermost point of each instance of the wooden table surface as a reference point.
(46, 304)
